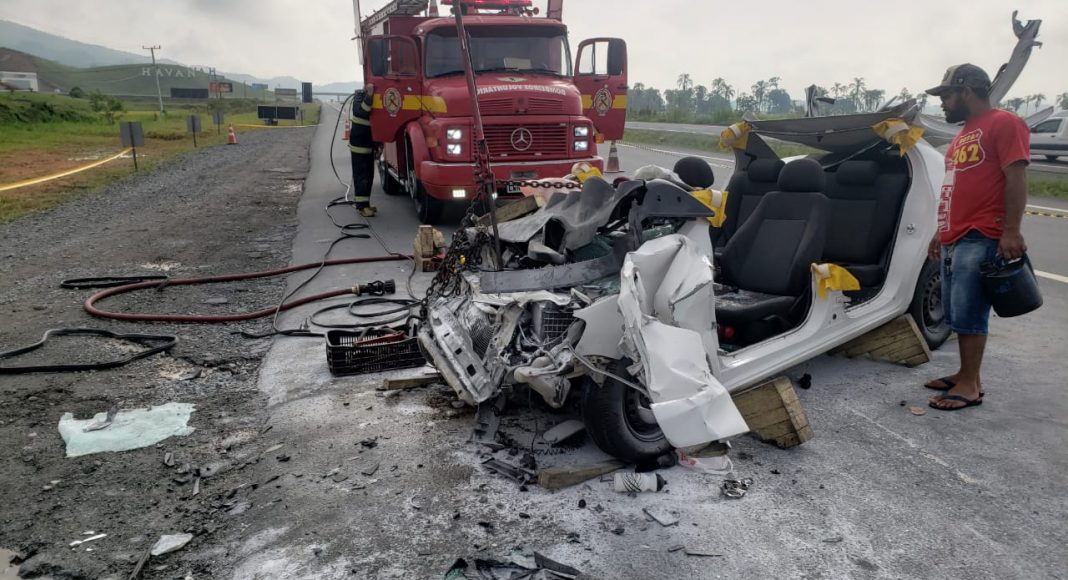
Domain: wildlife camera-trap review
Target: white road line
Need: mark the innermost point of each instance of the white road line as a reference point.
(1044, 208)
(1049, 276)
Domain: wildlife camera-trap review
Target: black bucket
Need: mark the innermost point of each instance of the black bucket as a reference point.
(1011, 287)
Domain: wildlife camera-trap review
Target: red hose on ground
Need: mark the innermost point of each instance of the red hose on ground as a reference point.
(90, 304)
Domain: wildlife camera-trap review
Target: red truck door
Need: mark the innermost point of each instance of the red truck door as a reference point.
(601, 77)
(393, 67)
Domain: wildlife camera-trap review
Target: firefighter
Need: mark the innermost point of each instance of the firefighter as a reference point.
(363, 150)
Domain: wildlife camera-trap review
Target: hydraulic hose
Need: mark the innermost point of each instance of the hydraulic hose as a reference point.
(91, 308)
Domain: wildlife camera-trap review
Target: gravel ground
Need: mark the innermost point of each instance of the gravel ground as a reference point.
(212, 211)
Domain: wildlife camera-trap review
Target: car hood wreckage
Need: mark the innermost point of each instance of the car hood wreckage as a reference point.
(651, 300)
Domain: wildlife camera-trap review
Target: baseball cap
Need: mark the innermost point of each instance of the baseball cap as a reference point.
(962, 75)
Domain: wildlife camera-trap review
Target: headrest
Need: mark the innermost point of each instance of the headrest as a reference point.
(857, 173)
(695, 172)
(801, 175)
(764, 170)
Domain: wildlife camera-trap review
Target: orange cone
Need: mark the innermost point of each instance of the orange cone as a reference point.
(613, 160)
(231, 137)
(348, 129)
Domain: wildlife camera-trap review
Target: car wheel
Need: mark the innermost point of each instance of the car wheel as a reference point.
(926, 307)
(1052, 157)
(389, 185)
(619, 420)
(429, 208)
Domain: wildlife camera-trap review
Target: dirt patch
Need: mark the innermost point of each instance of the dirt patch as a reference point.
(211, 211)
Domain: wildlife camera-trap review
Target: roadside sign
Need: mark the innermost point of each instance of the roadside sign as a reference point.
(133, 136)
(217, 118)
(192, 125)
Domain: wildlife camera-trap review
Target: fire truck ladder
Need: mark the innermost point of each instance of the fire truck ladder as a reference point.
(395, 8)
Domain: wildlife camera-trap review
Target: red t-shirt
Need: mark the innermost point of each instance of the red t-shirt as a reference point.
(973, 194)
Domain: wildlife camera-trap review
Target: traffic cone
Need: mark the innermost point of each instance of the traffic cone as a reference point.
(433, 9)
(231, 137)
(348, 129)
(613, 160)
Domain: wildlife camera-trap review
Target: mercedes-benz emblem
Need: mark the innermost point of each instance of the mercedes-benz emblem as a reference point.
(522, 139)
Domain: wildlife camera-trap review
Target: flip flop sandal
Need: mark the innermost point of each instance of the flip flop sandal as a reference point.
(967, 402)
(945, 381)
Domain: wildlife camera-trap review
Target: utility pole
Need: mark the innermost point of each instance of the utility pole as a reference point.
(155, 71)
(213, 82)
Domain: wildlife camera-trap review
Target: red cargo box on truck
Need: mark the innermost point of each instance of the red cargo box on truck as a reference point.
(541, 114)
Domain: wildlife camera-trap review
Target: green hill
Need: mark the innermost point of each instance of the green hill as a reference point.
(134, 80)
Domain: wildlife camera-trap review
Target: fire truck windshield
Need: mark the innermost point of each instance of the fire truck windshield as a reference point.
(521, 49)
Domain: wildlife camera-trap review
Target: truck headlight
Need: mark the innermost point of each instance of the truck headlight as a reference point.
(454, 149)
(582, 131)
(454, 134)
(582, 145)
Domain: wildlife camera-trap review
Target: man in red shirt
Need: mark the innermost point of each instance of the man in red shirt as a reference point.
(979, 215)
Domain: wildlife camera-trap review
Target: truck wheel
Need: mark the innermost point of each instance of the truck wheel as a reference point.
(429, 208)
(619, 420)
(389, 185)
(926, 307)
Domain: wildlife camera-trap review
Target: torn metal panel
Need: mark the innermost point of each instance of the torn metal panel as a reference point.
(604, 329)
(668, 311)
(572, 218)
(564, 276)
(453, 352)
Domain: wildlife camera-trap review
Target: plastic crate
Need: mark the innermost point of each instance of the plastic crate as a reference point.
(371, 351)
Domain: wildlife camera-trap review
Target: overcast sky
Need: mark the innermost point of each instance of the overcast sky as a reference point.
(893, 44)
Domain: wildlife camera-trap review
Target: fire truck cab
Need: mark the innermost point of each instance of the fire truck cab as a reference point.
(541, 114)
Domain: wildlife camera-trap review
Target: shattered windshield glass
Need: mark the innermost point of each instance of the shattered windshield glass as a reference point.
(538, 49)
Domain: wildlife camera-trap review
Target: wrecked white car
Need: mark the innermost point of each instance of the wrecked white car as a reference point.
(650, 302)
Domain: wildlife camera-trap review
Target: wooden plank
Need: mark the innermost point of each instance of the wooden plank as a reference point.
(511, 211)
(874, 340)
(561, 477)
(916, 360)
(774, 413)
(398, 383)
(896, 341)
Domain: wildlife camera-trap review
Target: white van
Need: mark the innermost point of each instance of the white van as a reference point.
(1050, 137)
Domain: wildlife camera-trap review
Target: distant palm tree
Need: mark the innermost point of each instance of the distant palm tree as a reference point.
(904, 95)
(856, 90)
(684, 82)
(773, 82)
(701, 93)
(872, 98)
(760, 93)
(1038, 100)
(728, 91)
(837, 90)
(717, 87)
(1014, 103)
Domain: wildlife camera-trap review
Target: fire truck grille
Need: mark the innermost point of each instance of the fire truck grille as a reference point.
(546, 140)
(531, 106)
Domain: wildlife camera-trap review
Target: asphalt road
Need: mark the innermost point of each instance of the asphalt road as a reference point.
(878, 493)
(1039, 164)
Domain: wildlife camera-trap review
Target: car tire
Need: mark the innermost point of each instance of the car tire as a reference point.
(926, 307)
(428, 208)
(389, 185)
(617, 422)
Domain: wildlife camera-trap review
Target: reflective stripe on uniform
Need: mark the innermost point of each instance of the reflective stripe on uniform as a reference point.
(365, 107)
(360, 150)
(359, 121)
(362, 198)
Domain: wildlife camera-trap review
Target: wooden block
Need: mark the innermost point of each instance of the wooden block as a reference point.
(899, 340)
(398, 383)
(512, 210)
(428, 264)
(773, 411)
(561, 477)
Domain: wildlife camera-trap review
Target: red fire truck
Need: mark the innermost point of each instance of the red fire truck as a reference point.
(541, 115)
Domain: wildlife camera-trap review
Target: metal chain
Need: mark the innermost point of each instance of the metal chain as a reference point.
(545, 184)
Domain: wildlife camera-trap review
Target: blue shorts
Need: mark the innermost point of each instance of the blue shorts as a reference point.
(966, 306)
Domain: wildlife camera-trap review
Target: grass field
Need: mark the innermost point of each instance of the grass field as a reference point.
(66, 134)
